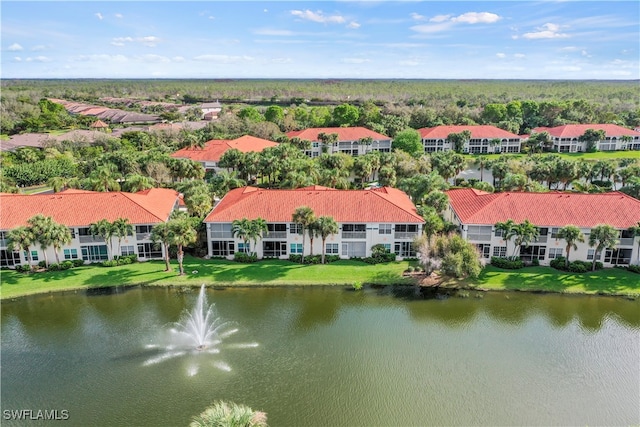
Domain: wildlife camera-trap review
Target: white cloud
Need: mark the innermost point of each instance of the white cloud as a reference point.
(569, 49)
(150, 41)
(519, 55)
(431, 28)
(477, 18)
(100, 58)
(354, 25)
(417, 17)
(570, 68)
(38, 48)
(17, 59)
(266, 10)
(118, 15)
(38, 59)
(99, 16)
(178, 59)
(547, 31)
(155, 58)
(409, 63)
(272, 32)
(440, 18)
(501, 55)
(15, 48)
(223, 59)
(212, 17)
(318, 16)
(355, 60)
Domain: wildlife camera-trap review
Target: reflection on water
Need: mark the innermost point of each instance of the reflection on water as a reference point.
(331, 356)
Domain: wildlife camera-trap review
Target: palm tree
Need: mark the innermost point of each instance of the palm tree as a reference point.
(105, 178)
(182, 234)
(257, 228)
(571, 234)
(59, 236)
(135, 182)
(481, 162)
(304, 216)
(21, 238)
(326, 226)
(41, 227)
(508, 229)
(104, 229)
(121, 229)
(241, 229)
(161, 233)
(602, 236)
(229, 415)
(312, 230)
(526, 233)
(635, 229)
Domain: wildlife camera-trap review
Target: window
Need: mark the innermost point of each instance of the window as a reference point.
(590, 254)
(315, 144)
(406, 228)
(244, 247)
(70, 254)
(530, 253)
(484, 249)
(618, 256)
(354, 249)
(500, 251)
(34, 255)
(127, 250)
(9, 258)
(274, 249)
(84, 232)
(295, 228)
(149, 250)
(73, 233)
(404, 249)
(387, 246)
(143, 229)
(479, 232)
(278, 231)
(332, 249)
(555, 253)
(94, 253)
(354, 231)
(296, 248)
(554, 233)
(384, 229)
(220, 230)
(222, 248)
(499, 233)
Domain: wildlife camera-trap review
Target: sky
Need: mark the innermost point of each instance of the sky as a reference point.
(330, 39)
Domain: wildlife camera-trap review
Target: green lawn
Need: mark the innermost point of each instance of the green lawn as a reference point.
(210, 272)
(609, 281)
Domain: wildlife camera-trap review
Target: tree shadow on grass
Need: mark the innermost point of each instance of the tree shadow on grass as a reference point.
(121, 276)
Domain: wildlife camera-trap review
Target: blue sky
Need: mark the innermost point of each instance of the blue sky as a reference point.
(332, 39)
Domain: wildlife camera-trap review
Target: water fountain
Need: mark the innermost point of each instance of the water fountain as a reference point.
(198, 332)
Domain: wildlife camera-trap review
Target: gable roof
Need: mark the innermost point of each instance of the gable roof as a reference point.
(215, 148)
(81, 208)
(576, 131)
(545, 209)
(477, 132)
(384, 204)
(344, 134)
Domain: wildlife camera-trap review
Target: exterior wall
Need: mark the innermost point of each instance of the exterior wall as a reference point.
(347, 241)
(610, 143)
(79, 241)
(354, 148)
(476, 146)
(484, 234)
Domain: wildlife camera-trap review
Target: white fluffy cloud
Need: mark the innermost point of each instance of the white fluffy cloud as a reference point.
(99, 16)
(150, 41)
(223, 59)
(440, 23)
(547, 31)
(353, 25)
(38, 59)
(501, 55)
(15, 48)
(355, 60)
(318, 16)
(477, 18)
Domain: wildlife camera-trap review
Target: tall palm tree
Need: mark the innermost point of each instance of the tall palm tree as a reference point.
(526, 233)
(135, 182)
(229, 415)
(602, 236)
(481, 162)
(326, 226)
(182, 234)
(104, 229)
(41, 227)
(121, 229)
(257, 228)
(105, 178)
(304, 216)
(161, 233)
(312, 230)
(571, 234)
(241, 229)
(21, 238)
(59, 236)
(508, 229)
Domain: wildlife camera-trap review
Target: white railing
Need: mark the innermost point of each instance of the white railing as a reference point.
(143, 236)
(275, 235)
(354, 234)
(409, 235)
(90, 239)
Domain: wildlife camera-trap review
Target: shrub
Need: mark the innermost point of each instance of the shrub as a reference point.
(558, 263)
(78, 262)
(295, 258)
(313, 259)
(574, 266)
(54, 267)
(25, 268)
(357, 286)
(109, 263)
(409, 270)
(65, 265)
(331, 258)
(634, 268)
(535, 262)
(506, 263)
(245, 258)
(42, 264)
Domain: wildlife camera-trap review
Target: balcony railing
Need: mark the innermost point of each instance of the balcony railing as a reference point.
(626, 241)
(3, 242)
(90, 239)
(409, 235)
(542, 239)
(354, 234)
(275, 235)
(221, 235)
(478, 237)
(143, 236)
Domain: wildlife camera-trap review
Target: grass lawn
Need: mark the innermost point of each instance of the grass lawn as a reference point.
(210, 272)
(613, 281)
(35, 189)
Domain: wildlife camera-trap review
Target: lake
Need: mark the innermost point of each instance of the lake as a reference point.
(329, 357)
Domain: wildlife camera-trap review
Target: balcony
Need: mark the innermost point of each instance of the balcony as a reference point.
(143, 236)
(90, 239)
(221, 235)
(275, 235)
(542, 239)
(4, 243)
(409, 235)
(625, 241)
(354, 234)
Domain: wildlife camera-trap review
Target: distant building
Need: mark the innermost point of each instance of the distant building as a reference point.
(351, 140)
(365, 218)
(566, 138)
(484, 139)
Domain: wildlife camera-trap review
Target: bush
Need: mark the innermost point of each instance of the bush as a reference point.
(634, 268)
(574, 266)
(78, 262)
(331, 258)
(55, 267)
(42, 264)
(109, 263)
(506, 263)
(535, 262)
(65, 265)
(245, 258)
(25, 268)
(295, 258)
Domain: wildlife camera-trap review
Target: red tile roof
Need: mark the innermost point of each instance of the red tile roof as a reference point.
(477, 132)
(81, 208)
(576, 131)
(380, 205)
(545, 209)
(215, 148)
(344, 134)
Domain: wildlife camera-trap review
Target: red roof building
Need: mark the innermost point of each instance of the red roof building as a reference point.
(213, 150)
(351, 140)
(566, 138)
(477, 212)
(365, 217)
(484, 139)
